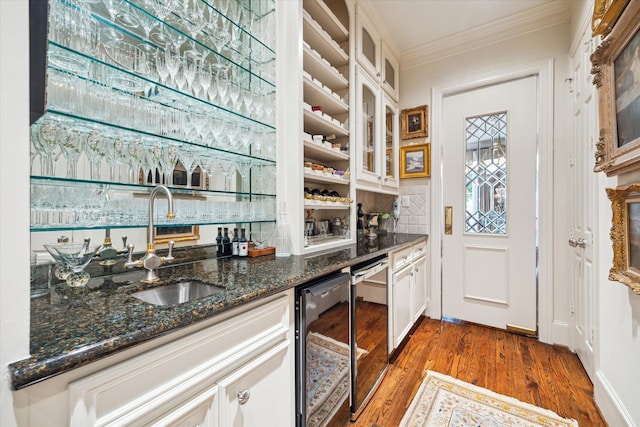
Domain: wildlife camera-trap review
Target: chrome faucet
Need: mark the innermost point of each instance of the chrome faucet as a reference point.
(150, 260)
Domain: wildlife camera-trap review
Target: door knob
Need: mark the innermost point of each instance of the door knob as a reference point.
(581, 243)
(573, 242)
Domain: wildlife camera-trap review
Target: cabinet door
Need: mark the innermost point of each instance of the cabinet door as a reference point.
(367, 45)
(390, 142)
(260, 392)
(402, 296)
(368, 129)
(420, 272)
(199, 411)
(390, 73)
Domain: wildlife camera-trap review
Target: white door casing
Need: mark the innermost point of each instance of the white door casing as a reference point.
(544, 70)
(489, 256)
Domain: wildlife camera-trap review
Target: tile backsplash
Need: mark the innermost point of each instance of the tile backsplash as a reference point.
(416, 217)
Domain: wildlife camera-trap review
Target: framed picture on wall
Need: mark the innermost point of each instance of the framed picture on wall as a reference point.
(414, 122)
(616, 69)
(625, 235)
(415, 161)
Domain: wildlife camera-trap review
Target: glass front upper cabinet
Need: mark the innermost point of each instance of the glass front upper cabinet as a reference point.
(390, 73)
(368, 44)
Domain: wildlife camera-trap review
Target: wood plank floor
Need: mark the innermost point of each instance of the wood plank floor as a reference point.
(547, 376)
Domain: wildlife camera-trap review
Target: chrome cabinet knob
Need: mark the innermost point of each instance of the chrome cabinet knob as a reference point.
(243, 396)
(581, 243)
(573, 242)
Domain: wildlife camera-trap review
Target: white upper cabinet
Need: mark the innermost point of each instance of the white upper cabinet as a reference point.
(377, 137)
(390, 72)
(368, 128)
(368, 45)
(390, 141)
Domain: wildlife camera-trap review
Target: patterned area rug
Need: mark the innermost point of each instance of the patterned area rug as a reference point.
(444, 401)
(327, 378)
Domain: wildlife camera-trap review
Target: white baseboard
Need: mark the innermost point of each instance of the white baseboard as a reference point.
(560, 334)
(613, 411)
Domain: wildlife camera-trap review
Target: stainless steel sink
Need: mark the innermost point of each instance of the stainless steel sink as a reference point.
(177, 293)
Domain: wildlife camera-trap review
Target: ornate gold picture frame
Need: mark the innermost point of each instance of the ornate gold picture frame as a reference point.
(616, 69)
(625, 235)
(605, 15)
(414, 122)
(415, 161)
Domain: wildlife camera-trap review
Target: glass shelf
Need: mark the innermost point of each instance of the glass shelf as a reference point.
(87, 70)
(63, 204)
(146, 88)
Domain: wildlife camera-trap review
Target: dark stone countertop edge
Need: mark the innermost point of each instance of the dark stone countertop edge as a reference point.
(33, 370)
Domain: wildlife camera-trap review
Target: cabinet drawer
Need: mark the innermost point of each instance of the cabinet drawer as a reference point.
(131, 391)
(401, 257)
(419, 249)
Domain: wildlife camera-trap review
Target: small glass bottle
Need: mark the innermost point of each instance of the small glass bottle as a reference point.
(235, 243)
(226, 242)
(219, 247)
(243, 246)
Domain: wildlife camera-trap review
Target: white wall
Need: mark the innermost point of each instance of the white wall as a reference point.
(548, 43)
(14, 194)
(617, 382)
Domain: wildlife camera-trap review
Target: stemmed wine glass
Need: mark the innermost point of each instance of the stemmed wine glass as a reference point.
(48, 132)
(228, 167)
(95, 151)
(71, 145)
(204, 79)
(168, 161)
(244, 169)
(112, 6)
(135, 152)
(188, 158)
(115, 154)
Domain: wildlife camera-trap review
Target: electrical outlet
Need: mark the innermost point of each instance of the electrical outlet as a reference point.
(406, 202)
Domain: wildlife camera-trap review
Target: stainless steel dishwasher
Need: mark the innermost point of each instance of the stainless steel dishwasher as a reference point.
(369, 330)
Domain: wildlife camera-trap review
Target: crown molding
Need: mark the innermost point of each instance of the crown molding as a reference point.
(535, 19)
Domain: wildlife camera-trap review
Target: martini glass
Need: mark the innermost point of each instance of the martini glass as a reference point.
(62, 269)
(77, 256)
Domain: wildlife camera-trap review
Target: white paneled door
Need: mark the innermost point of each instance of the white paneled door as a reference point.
(583, 190)
(489, 194)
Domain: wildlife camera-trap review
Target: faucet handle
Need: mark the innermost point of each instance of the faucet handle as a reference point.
(169, 256)
(125, 248)
(130, 262)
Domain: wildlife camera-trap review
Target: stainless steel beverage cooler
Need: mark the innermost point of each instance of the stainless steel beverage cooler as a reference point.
(369, 330)
(323, 352)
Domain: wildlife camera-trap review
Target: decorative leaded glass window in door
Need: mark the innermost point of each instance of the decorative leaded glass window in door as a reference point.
(486, 174)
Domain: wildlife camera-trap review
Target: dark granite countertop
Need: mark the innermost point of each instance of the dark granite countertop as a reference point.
(73, 327)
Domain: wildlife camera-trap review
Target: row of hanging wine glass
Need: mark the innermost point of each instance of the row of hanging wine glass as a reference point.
(128, 44)
(118, 156)
(104, 91)
(80, 206)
